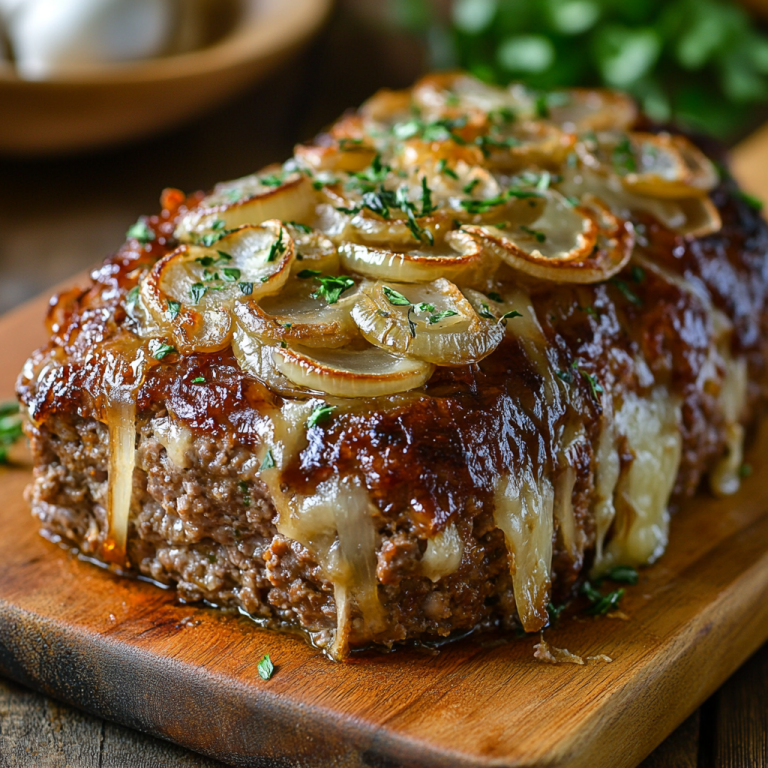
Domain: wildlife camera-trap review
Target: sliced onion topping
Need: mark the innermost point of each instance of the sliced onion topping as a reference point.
(566, 244)
(191, 291)
(297, 315)
(369, 372)
(252, 200)
(461, 258)
(432, 322)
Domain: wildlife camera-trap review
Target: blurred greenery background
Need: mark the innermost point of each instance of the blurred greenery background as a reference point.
(700, 63)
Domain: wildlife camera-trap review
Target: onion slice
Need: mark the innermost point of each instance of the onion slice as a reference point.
(271, 194)
(585, 109)
(432, 322)
(461, 259)
(296, 316)
(191, 291)
(566, 244)
(370, 372)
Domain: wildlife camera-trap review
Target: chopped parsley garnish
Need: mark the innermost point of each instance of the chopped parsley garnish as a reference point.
(485, 205)
(347, 144)
(494, 296)
(196, 292)
(174, 307)
(230, 274)
(277, 248)
(223, 257)
(627, 292)
(485, 311)
(638, 273)
(163, 351)
(623, 574)
(199, 380)
(755, 203)
(273, 180)
(469, 188)
(300, 227)
(623, 158)
(376, 173)
(320, 414)
(595, 387)
(269, 461)
(218, 225)
(601, 604)
(425, 307)
(305, 274)
(565, 376)
(426, 198)
(395, 297)
(541, 106)
(502, 116)
(436, 130)
(486, 143)
(745, 470)
(591, 311)
(539, 236)
(442, 167)
(140, 231)
(509, 315)
(243, 486)
(331, 288)
(438, 316)
(10, 428)
(246, 288)
(266, 667)
(132, 297)
(554, 612)
(210, 239)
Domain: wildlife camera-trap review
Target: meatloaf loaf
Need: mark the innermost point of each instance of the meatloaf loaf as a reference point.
(459, 352)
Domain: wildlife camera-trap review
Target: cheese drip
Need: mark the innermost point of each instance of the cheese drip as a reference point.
(335, 524)
(524, 511)
(641, 526)
(121, 422)
(443, 554)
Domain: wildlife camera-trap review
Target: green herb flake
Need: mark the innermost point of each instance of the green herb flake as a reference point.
(174, 307)
(305, 274)
(623, 158)
(132, 297)
(303, 228)
(10, 428)
(224, 256)
(243, 486)
(623, 574)
(140, 231)
(246, 288)
(425, 307)
(595, 387)
(443, 168)
(266, 667)
(321, 414)
(395, 297)
(196, 292)
(230, 274)
(277, 248)
(755, 203)
(626, 291)
(468, 189)
(745, 470)
(638, 273)
(331, 288)
(554, 612)
(565, 376)
(269, 461)
(509, 316)
(211, 557)
(539, 236)
(273, 180)
(601, 604)
(438, 316)
(163, 351)
(494, 296)
(199, 380)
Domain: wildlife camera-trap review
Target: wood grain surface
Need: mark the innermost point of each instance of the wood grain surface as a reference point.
(128, 651)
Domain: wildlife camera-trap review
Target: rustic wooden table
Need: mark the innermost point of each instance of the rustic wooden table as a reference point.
(60, 216)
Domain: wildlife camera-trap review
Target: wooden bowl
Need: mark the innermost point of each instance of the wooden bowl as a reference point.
(95, 106)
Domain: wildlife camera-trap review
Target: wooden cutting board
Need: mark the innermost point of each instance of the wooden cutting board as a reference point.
(126, 650)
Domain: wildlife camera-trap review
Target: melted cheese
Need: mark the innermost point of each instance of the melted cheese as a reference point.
(335, 524)
(524, 511)
(641, 527)
(725, 479)
(121, 422)
(175, 438)
(606, 479)
(443, 554)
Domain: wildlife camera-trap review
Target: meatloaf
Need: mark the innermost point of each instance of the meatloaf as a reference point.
(464, 349)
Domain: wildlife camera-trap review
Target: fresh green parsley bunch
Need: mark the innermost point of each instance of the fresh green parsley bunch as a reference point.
(701, 63)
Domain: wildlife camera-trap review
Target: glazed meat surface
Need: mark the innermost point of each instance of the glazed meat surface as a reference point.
(580, 393)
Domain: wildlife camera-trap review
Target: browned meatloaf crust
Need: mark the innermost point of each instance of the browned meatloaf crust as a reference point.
(202, 516)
